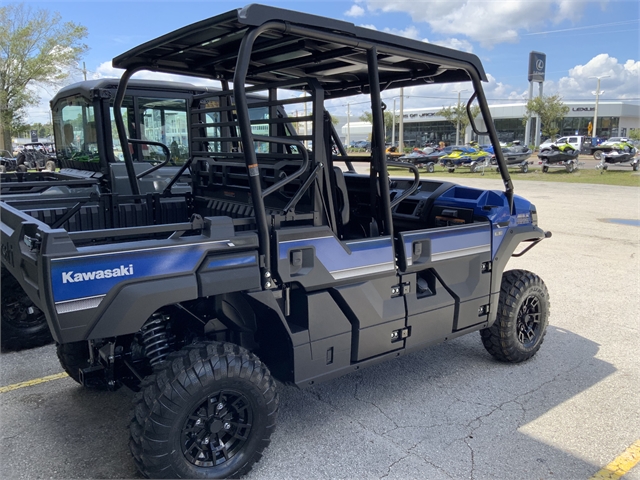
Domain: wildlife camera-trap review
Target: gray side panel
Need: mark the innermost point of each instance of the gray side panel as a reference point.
(430, 327)
(134, 304)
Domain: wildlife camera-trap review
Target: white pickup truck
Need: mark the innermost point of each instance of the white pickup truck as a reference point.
(575, 141)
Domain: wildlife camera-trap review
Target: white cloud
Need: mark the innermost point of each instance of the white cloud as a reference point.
(409, 32)
(488, 22)
(623, 79)
(455, 43)
(355, 11)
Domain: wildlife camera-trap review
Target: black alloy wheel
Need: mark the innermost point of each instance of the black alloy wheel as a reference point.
(528, 323)
(217, 429)
(522, 318)
(207, 411)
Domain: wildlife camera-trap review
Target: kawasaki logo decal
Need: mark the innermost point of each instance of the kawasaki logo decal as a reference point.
(72, 277)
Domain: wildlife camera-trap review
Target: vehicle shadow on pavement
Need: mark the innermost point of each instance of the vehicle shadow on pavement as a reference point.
(448, 411)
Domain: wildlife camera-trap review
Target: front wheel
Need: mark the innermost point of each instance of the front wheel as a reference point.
(545, 169)
(208, 411)
(430, 168)
(525, 168)
(598, 155)
(522, 319)
(451, 170)
(635, 166)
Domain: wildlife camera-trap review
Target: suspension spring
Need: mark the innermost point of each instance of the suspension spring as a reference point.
(156, 338)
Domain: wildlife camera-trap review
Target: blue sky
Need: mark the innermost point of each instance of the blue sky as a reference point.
(581, 38)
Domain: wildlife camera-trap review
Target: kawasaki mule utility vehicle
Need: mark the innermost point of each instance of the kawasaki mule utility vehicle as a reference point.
(277, 263)
(91, 161)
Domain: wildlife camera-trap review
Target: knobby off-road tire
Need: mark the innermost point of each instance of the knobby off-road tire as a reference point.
(208, 411)
(23, 324)
(74, 356)
(523, 316)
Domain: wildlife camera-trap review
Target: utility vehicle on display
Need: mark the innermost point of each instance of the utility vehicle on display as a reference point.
(280, 261)
(91, 162)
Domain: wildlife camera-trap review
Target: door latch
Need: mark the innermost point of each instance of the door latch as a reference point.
(399, 290)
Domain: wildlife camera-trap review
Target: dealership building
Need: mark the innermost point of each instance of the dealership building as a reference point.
(422, 125)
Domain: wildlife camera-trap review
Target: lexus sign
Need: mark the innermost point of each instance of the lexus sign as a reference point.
(537, 66)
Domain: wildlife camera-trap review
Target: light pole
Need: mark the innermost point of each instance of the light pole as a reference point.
(595, 112)
(458, 117)
(348, 125)
(401, 124)
(393, 125)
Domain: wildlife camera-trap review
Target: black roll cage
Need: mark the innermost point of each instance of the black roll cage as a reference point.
(186, 51)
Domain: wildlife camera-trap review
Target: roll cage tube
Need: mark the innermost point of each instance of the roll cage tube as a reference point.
(493, 135)
(122, 131)
(250, 157)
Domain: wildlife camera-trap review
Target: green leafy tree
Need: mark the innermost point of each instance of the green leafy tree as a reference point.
(388, 119)
(634, 134)
(458, 113)
(36, 47)
(551, 111)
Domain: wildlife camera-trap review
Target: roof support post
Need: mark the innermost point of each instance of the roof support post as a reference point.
(377, 140)
(122, 130)
(493, 135)
(250, 158)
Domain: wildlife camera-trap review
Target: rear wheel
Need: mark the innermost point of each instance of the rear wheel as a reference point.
(430, 168)
(635, 167)
(23, 324)
(598, 155)
(522, 319)
(545, 169)
(451, 170)
(525, 168)
(208, 411)
(570, 168)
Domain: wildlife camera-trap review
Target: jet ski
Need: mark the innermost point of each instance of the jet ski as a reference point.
(624, 156)
(620, 145)
(465, 156)
(427, 158)
(559, 155)
(515, 155)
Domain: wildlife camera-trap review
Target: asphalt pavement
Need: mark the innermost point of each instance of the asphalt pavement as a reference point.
(449, 411)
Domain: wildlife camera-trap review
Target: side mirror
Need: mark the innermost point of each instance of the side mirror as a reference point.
(478, 125)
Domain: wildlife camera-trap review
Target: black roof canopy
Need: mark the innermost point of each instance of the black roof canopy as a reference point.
(299, 46)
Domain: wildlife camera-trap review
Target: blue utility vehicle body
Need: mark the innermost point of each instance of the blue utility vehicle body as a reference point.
(278, 259)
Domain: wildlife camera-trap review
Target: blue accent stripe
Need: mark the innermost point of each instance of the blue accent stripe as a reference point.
(232, 262)
(450, 239)
(335, 257)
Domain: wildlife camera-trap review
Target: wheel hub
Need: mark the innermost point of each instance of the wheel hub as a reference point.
(528, 326)
(217, 429)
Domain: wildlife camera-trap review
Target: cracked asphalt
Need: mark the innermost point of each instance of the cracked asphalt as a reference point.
(449, 411)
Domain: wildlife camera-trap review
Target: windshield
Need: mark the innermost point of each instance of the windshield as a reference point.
(75, 130)
(161, 120)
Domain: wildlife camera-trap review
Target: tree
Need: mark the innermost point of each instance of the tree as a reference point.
(551, 111)
(388, 119)
(458, 113)
(36, 47)
(634, 133)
